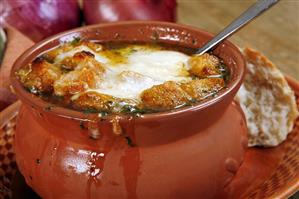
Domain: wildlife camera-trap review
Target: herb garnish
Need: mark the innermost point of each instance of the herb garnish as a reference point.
(47, 58)
(129, 109)
(129, 141)
(49, 107)
(82, 125)
(32, 89)
(225, 74)
(93, 110)
(90, 110)
(75, 41)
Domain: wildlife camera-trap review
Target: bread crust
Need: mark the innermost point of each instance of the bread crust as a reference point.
(267, 101)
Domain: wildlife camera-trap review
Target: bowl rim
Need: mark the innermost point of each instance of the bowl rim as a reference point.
(37, 103)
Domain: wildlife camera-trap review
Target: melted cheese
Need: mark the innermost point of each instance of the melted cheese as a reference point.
(142, 68)
(80, 48)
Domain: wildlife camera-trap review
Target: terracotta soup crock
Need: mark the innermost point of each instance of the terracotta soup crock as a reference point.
(191, 152)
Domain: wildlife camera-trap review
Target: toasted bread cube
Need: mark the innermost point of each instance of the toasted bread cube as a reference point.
(40, 75)
(71, 63)
(52, 54)
(76, 81)
(164, 96)
(81, 59)
(204, 65)
(94, 101)
(86, 73)
(92, 45)
(200, 88)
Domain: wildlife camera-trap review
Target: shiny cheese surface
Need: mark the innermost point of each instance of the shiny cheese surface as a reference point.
(134, 69)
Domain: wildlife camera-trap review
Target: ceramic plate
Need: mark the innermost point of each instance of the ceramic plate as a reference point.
(265, 172)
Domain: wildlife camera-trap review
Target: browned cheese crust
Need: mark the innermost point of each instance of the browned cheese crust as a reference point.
(164, 96)
(39, 76)
(94, 100)
(87, 72)
(200, 88)
(170, 94)
(52, 54)
(98, 101)
(204, 65)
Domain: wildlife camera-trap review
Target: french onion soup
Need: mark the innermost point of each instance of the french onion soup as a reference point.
(123, 78)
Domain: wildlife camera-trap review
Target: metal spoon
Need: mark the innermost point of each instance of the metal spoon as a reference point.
(255, 10)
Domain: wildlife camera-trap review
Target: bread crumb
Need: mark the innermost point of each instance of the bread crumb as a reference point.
(267, 101)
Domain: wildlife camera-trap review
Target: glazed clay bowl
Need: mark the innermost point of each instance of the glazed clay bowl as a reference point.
(191, 152)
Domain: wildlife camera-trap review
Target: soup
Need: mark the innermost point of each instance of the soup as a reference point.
(123, 78)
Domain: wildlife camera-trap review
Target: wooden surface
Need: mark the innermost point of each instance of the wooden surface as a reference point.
(275, 33)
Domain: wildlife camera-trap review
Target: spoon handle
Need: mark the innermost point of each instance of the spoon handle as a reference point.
(255, 10)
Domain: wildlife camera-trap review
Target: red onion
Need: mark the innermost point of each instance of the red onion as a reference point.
(96, 11)
(40, 18)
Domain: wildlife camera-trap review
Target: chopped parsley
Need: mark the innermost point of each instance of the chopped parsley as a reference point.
(129, 141)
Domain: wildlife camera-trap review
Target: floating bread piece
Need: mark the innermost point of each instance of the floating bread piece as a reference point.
(40, 75)
(164, 96)
(200, 88)
(85, 73)
(172, 94)
(204, 65)
(267, 101)
(97, 101)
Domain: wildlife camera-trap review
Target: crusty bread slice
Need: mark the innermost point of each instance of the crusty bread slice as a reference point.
(267, 101)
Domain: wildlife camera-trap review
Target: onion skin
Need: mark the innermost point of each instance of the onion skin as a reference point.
(97, 11)
(39, 19)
